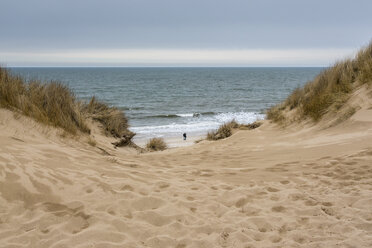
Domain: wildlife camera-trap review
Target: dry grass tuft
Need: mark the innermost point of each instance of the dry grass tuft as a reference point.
(224, 131)
(55, 104)
(329, 91)
(113, 120)
(251, 126)
(156, 144)
(275, 114)
(52, 104)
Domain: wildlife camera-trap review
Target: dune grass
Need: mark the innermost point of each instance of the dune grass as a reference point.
(55, 104)
(226, 129)
(329, 90)
(112, 119)
(156, 144)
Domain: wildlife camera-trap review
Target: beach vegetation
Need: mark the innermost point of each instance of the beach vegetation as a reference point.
(250, 126)
(53, 103)
(156, 144)
(113, 120)
(328, 91)
(224, 131)
(227, 129)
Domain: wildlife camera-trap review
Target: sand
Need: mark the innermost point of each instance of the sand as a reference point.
(173, 141)
(303, 186)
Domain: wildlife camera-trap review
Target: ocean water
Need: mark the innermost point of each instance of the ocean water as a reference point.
(166, 102)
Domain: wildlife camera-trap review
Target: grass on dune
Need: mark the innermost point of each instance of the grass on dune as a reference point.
(55, 104)
(226, 129)
(156, 144)
(331, 88)
(113, 120)
(52, 103)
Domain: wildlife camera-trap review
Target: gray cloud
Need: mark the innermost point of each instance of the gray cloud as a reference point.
(54, 25)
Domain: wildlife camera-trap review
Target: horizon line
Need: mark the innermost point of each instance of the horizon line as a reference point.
(289, 66)
(178, 58)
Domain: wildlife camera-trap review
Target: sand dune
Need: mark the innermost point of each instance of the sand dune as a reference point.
(299, 187)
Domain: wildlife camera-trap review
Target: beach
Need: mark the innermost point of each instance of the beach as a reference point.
(302, 186)
(167, 102)
(185, 124)
(173, 142)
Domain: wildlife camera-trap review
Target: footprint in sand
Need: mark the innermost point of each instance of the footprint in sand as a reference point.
(190, 198)
(241, 202)
(227, 187)
(126, 188)
(327, 157)
(276, 169)
(77, 219)
(278, 209)
(270, 189)
(275, 198)
(128, 214)
(262, 225)
(155, 219)
(147, 203)
(76, 224)
(327, 204)
(250, 211)
(162, 185)
(247, 170)
(193, 210)
(311, 203)
(299, 238)
(350, 163)
(275, 239)
(111, 212)
(328, 211)
(296, 196)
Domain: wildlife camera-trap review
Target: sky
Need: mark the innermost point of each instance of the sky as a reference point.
(182, 33)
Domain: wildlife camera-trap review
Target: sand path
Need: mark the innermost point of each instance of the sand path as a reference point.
(298, 187)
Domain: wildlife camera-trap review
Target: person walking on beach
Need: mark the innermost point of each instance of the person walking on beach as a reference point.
(184, 136)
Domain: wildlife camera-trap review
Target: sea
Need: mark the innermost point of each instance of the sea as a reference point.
(167, 102)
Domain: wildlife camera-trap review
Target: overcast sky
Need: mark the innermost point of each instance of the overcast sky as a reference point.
(182, 33)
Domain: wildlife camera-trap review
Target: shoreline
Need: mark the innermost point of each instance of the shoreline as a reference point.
(171, 141)
(175, 139)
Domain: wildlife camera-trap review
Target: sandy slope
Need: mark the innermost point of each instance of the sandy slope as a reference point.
(299, 187)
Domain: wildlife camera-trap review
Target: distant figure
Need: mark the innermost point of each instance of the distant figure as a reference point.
(184, 136)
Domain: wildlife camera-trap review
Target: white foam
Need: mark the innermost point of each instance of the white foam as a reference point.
(196, 125)
(240, 117)
(185, 115)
